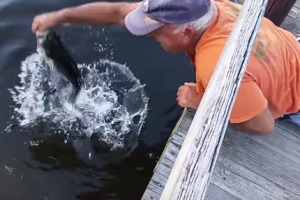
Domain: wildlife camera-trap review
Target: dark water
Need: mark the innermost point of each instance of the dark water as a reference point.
(54, 170)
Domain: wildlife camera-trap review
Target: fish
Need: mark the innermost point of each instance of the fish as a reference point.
(55, 50)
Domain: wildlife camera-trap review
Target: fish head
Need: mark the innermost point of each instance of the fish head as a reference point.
(50, 42)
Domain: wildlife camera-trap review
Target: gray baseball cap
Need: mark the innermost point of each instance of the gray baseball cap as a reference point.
(153, 14)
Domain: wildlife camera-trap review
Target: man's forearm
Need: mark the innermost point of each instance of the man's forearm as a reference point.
(247, 129)
(258, 127)
(100, 13)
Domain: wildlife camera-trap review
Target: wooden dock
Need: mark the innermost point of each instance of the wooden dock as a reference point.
(248, 167)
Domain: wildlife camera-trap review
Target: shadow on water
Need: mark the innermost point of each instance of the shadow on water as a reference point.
(56, 153)
(122, 178)
(132, 176)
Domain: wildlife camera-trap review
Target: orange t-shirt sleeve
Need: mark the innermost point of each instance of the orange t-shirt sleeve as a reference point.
(250, 100)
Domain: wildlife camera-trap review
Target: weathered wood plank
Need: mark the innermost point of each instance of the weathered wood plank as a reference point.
(265, 162)
(243, 167)
(167, 159)
(282, 142)
(242, 182)
(288, 129)
(295, 13)
(239, 180)
(192, 169)
(216, 193)
(297, 4)
(291, 22)
(278, 10)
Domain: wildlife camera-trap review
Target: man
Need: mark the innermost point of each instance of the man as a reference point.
(270, 87)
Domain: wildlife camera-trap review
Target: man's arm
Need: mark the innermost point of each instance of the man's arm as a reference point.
(250, 112)
(261, 124)
(100, 13)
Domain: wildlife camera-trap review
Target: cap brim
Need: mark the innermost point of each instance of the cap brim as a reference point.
(138, 23)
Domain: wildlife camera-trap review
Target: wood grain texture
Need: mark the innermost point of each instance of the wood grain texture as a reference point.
(248, 167)
(216, 193)
(168, 157)
(292, 21)
(297, 4)
(269, 168)
(244, 182)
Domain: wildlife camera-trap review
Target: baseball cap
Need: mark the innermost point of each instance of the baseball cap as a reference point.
(153, 14)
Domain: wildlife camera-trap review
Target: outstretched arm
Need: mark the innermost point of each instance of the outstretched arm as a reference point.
(99, 13)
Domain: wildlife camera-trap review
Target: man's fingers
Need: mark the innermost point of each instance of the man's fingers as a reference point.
(181, 104)
(191, 84)
(34, 27)
(181, 87)
(181, 92)
(181, 101)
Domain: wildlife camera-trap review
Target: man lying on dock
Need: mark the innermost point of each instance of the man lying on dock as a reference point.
(270, 87)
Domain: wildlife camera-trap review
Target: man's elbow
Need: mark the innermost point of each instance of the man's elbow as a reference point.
(267, 129)
(256, 127)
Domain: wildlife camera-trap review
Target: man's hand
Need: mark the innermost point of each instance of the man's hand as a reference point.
(46, 21)
(188, 97)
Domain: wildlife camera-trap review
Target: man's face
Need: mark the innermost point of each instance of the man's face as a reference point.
(171, 41)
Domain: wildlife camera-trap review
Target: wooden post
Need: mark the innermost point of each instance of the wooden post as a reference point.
(277, 10)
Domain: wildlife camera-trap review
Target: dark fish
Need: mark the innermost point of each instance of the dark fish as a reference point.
(63, 62)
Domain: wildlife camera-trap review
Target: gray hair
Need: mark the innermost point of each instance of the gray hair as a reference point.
(201, 24)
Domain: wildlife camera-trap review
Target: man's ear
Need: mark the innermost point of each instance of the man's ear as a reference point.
(188, 33)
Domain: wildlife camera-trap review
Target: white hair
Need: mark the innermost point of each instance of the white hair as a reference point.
(201, 24)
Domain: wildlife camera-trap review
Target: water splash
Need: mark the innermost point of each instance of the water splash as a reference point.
(112, 104)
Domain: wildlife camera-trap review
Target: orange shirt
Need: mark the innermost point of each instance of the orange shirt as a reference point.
(272, 77)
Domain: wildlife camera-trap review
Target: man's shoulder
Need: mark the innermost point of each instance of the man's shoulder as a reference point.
(209, 50)
(206, 58)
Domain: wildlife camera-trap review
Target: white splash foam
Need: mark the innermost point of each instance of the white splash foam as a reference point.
(112, 103)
